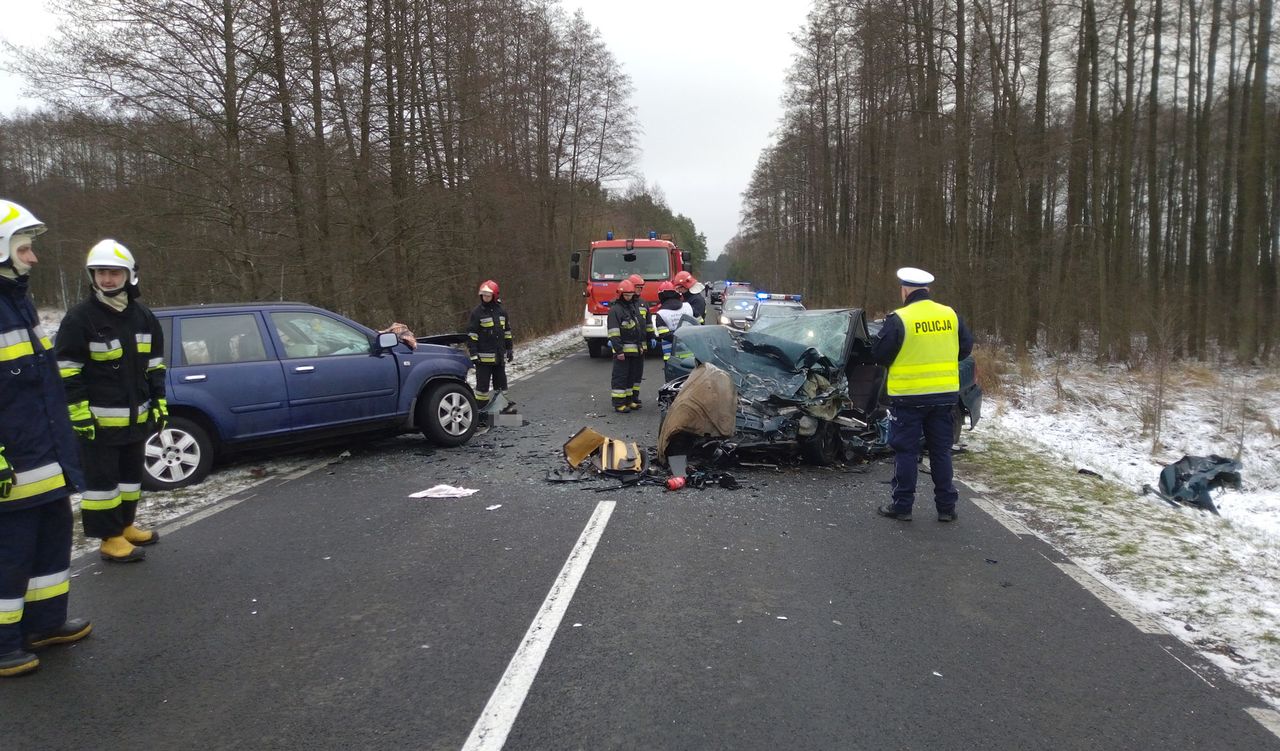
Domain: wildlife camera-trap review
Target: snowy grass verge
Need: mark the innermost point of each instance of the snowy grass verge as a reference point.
(1213, 582)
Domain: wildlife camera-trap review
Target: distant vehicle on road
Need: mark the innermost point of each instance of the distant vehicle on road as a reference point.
(771, 304)
(718, 290)
(260, 375)
(737, 309)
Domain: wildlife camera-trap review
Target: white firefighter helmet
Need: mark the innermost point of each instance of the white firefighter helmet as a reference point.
(110, 254)
(15, 222)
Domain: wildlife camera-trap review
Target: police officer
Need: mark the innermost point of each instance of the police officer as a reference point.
(110, 352)
(922, 344)
(629, 332)
(39, 465)
(491, 342)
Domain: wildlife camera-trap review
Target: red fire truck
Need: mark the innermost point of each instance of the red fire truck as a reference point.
(609, 261)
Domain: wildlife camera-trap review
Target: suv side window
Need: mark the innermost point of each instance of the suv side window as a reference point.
(211, 340)
(306, 334)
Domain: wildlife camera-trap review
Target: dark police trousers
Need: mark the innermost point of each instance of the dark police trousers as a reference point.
(906, 426)
(35, 569)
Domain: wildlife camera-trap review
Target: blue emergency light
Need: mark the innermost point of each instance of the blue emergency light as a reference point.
(775, 296)
(762, 295)
(653, 235)
(608, 235)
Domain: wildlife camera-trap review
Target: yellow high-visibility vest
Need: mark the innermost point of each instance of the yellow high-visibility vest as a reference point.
(928, 361)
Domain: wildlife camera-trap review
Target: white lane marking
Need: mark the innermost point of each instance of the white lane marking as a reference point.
(1269, 718)
(1188, 667)
(499, 715)
(304, 471)
(1006, 521)
(1112, 599)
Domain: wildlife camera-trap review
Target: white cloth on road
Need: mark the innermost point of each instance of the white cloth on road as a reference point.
(443, 491)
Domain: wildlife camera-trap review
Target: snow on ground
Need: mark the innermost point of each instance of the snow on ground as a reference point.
(1214, 582)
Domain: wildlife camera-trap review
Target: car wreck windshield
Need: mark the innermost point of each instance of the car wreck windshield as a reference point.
(775, 359)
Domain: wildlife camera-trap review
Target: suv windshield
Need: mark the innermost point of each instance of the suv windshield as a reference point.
(619, 263)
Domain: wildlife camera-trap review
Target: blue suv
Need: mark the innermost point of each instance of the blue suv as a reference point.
(241, 377)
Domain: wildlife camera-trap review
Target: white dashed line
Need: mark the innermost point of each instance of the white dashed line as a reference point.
(1112, 599)
(499, 715)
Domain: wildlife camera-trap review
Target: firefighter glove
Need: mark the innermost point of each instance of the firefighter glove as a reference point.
(7, 476)
(510, 355)
(621, 356)
(160, 413)
(82, 420)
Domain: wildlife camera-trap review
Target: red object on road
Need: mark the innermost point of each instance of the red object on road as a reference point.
(675, 483)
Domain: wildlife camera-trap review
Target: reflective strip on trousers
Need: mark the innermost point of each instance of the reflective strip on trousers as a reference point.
(10, 611)
(130, 491)
(100, 500)
(109, 351)
(33, 482)
(48, 586)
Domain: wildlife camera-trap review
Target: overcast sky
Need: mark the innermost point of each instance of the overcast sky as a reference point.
(708, 78)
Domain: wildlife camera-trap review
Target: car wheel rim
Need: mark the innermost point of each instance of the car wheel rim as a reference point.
(455, 413)
(172, 455)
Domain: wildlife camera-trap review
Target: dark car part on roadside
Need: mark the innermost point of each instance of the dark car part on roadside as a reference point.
(1189, 480)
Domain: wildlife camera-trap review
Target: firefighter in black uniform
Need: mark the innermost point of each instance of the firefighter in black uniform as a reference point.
(629, 331)
(39, 466)
(110, 352)
(490, 342)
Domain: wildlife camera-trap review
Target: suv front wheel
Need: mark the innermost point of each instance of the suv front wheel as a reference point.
(447, 415)
(178, 456)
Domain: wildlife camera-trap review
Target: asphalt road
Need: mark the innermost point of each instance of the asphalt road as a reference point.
(332, 611)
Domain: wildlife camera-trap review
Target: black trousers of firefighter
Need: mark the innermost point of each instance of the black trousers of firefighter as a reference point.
(486, 371)
(113, 487)
(35, 571)
(624, 385)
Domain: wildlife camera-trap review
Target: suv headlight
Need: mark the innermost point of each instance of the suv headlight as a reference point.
(724, 320)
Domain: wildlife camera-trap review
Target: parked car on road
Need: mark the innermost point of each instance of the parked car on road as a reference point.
(257, 375)
(718, 290)
(772, 304)
(737, 309)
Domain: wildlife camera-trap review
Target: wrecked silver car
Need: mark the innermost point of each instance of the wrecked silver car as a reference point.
(802, 382)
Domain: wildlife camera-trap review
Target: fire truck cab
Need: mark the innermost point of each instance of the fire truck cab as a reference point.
(655, 258)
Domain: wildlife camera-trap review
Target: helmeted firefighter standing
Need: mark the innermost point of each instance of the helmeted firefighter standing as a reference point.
(110, 349)
(39, 465)
(490, 342)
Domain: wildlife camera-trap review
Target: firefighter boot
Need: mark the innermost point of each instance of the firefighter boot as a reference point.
(18, 662)
(119, 550)
(137, 536)
(74, 629)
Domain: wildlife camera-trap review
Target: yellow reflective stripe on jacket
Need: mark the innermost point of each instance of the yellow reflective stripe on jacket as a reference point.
(103, 352)
(48, 586)
(144, 343)
(15, 344)
(100, 500)
(10, 611)
(928, 362)
(118, 417)
(69, 368)
(487, 322)
(80, 411)
(33, 482)
(155, 363)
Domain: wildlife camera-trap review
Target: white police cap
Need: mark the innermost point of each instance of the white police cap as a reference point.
(913, 277)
